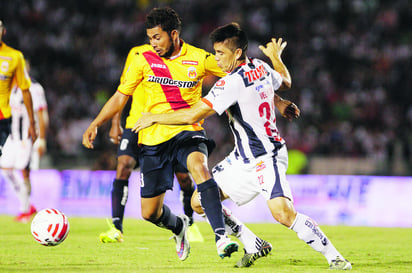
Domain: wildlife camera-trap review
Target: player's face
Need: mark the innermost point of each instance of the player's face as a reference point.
(226, 58)
(161, 41)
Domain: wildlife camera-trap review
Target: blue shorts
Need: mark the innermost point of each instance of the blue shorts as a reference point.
(160, 161)
(128, 145)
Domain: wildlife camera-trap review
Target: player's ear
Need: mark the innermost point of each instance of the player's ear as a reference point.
(238, 53)
(174, 34)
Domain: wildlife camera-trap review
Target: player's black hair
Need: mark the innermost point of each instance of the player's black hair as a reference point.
(166, 18)
(234, 34)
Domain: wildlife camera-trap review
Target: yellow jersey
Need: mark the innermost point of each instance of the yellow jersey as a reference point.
(168, 84)
(137, 105)
(12, 71)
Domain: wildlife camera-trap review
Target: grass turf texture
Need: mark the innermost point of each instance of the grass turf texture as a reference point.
(147, 249)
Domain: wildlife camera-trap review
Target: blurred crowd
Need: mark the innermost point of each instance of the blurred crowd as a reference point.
(350, 62)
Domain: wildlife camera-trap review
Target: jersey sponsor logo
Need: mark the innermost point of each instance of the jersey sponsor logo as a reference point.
(155, 65)
(172, 82)
(190, 62)
(170, 87)
(254, 74)
(191, 72)
(220, 83)
(260, 166)
(260, 89)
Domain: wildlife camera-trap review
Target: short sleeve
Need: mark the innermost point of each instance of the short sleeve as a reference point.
(224, 94)
(275, 76)
(211, 67)
(38, 96)
(22, 76)
(133, 75)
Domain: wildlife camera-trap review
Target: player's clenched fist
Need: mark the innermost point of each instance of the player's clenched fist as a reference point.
(89, 136)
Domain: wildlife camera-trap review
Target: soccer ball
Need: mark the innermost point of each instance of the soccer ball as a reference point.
(50, 227)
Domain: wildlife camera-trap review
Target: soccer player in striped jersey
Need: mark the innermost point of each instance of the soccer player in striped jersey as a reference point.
(170, 73)
(259, 161)
(20, 155)
(13, 71)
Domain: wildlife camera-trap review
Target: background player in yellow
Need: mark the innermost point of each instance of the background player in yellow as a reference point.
(12, 71)
(127, 159)
(170, 73)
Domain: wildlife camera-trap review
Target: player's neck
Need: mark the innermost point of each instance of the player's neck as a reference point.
(178, 49)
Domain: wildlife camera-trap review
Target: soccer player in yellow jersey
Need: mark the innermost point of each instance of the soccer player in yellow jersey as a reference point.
(170, 73)
(12, 71)
(127, 159)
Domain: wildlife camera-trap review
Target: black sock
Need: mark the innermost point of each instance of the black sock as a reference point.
(119, 199)
(210, 201)
(169, 220)
(187, 206)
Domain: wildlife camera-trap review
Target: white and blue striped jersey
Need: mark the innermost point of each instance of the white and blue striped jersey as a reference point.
(20, 119)
(247, 96)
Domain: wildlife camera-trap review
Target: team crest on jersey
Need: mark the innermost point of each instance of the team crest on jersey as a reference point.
(4, 66)
(191, 72)
(260, 166)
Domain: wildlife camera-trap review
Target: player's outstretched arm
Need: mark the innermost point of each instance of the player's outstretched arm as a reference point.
(114, 105)
(287, 109)
(196, 113)
(274, 51)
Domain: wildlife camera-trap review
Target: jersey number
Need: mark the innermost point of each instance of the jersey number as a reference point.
(264, 111)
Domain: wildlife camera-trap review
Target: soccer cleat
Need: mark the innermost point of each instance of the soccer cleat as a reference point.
(340, 264)
(182, 243)
(225, 247)
(113, 235)
(248, 259)
(193, 234)
(25, 217)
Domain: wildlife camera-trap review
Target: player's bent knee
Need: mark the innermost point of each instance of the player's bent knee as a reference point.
(282, 210)
(125, 167)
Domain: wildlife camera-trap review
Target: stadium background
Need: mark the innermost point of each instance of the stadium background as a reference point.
(350, 63)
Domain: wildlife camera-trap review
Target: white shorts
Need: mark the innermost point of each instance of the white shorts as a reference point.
(264, 175)
(16, 154)
(35, 156)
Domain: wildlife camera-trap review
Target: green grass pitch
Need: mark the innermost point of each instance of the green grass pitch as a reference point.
(147, 249)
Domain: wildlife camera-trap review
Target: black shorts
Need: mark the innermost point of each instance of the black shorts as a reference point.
(160, 161)
(5, 129)
(128, 145)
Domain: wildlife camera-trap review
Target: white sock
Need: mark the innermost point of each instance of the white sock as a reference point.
(309, 232)
(19, 187)
(236, 228)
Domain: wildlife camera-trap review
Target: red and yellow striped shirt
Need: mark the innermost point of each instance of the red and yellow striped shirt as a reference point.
(168, 85)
